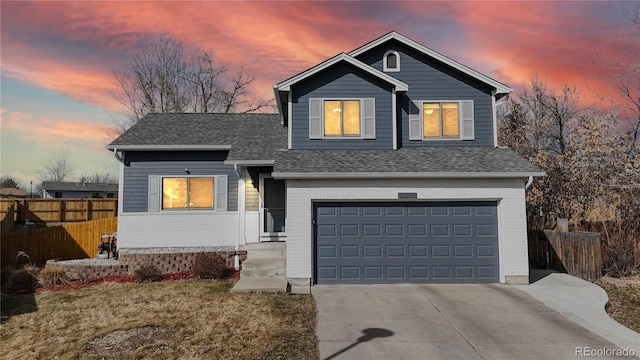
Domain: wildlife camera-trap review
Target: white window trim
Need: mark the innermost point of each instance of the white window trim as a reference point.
(361, 136)
(215, 193)
(384, 61)
(442, 138)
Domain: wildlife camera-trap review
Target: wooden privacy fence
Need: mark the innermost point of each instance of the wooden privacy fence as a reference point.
(59, 210)
(576, 253)
(68, 241)
(7, 220)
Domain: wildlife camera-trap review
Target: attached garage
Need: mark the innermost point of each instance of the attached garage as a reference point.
(408, 242)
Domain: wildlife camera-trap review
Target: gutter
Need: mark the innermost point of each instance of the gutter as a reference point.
(407, 175)
(170, 147)
(116, 154)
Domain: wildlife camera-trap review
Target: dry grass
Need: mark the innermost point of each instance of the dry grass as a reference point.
(624, 300)
(194, 319)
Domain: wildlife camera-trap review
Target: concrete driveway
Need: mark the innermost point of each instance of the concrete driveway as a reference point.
(454, 321)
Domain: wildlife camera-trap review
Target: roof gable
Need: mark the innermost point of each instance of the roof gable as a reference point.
(286, 85)
(500, 87)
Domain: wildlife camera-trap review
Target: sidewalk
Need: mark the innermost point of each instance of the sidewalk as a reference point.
(583, 303)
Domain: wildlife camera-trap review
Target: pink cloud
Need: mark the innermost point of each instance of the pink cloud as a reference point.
(50, 131)
(272, 40)
(72, 47)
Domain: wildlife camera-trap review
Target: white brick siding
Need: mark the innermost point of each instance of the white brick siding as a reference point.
(509, 193)
(177, 229)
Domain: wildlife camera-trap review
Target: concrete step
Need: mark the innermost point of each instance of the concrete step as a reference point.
(272, 285)
(267, 245)
(264, 263)
(262, 273)
(265, 254)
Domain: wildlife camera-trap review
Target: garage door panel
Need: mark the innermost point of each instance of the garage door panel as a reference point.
(394, 230)
(406, 242)
(349, 230)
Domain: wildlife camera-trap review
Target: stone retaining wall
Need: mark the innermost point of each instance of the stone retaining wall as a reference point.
(167, 261)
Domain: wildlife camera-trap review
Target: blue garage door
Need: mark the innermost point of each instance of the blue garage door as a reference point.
(434, 242)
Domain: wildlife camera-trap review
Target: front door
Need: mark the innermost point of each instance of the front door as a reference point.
(272, 207)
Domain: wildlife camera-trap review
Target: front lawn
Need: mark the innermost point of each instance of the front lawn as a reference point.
(624, 300)
(194, 319)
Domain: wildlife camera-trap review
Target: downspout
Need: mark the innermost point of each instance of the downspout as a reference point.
(529, 182)
(118, 157)
(236, 258)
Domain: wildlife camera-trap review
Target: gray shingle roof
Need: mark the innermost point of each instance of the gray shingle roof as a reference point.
(78, 186)
(408, 160)
(251, 136)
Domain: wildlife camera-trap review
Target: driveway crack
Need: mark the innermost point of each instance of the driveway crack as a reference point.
(450, 323)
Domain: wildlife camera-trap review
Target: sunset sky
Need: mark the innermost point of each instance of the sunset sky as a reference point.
(57, 58)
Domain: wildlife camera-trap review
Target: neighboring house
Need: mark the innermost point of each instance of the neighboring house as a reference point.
(13, 192)
(382, 166)
(53, 189)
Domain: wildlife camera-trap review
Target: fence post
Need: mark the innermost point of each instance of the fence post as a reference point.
(562, 225)
(20, 210)
(61, 211)
(87, 213)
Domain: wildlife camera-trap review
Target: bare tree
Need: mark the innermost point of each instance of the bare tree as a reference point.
(57, 168)
(160, 79)
(576, 146)
(8, 182)
(98, 178)
(624, 78)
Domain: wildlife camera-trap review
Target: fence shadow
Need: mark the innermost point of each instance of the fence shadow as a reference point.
(576, 253)
(12, 305)
(542, 254)
(539, 274)
(68, 241)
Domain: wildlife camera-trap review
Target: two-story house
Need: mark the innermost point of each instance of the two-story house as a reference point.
(382, 166)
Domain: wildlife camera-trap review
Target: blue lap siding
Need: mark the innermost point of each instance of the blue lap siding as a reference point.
(428, 79)
(339, 82)
(140, 164)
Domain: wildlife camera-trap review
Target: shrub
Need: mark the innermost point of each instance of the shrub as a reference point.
(148, 273)
(621, 252)
(5, 274)
(210, 266)
(53, 274)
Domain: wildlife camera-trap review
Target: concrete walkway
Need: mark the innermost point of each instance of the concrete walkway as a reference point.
(583, 303)
(409, 321)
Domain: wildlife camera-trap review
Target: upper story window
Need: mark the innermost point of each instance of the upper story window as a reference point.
(448, 120)
(188, 193)
(440, 120)
(341, 118)
(391, 61)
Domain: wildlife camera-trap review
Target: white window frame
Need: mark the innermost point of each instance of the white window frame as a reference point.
(385, 68)
(361, 120)
(459, 137)
(216, 202)
(461, 131)
(367, 119)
